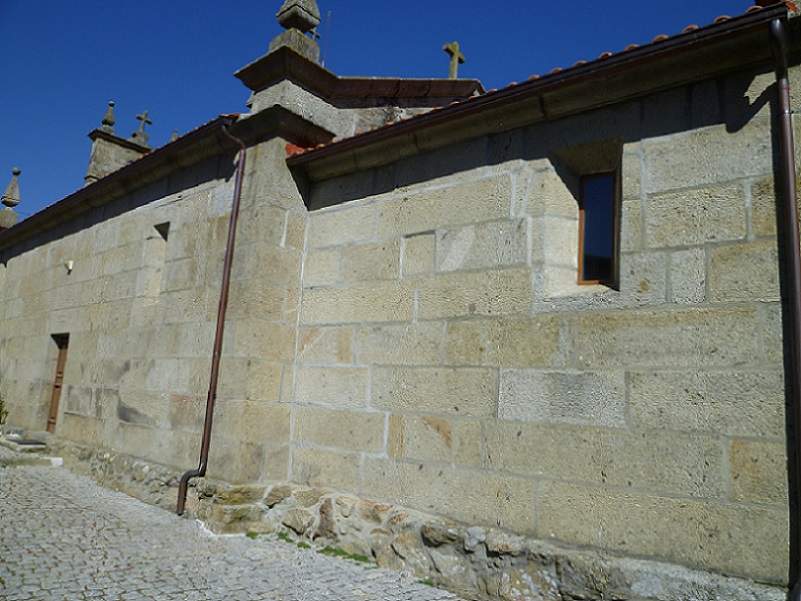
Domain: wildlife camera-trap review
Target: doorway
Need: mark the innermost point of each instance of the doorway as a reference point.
(62, 342)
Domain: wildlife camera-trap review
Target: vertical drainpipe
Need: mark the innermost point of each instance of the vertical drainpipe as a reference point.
(218, 337)
(788, 212)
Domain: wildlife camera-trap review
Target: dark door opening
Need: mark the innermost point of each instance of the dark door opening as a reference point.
(62, 342)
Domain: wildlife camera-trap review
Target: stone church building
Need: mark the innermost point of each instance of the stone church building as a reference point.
(539, 342)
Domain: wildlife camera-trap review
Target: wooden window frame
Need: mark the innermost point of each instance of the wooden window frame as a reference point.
(611, 281)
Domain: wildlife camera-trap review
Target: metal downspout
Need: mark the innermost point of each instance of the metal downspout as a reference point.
(788, 212)
(218, 337)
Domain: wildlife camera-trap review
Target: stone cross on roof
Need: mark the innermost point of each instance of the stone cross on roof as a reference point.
(143, 118)
(139, 136)
(457, 58)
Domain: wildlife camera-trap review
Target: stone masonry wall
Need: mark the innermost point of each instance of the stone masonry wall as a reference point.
(448, 361)
(140, 307)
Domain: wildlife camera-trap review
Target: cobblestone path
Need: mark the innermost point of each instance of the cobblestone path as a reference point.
(64, 538)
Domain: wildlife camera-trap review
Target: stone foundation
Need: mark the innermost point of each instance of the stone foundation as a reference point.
(476, 562)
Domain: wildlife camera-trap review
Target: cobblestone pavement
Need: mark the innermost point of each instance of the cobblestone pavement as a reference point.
(64, 538)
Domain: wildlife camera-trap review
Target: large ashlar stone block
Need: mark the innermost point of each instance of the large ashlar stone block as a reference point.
(408, 344)
(263, 340)
(549, 193)
(473, 496)
(763, 207)
(691, 533)
(261, 221)
(745, 272)
(422, 438)
(688, 276)
(759, 472)
(554, 240)
(325, 345)
(255, 298)
(730, 403)
(345, 430)
(275, 265)
(497, 292)
(484, 245)
(366, 262)
(321, 267)
(643, 278)
(253, 421)
(234, 460)
(363, 303)
(482, 200)
(631, 178)
(542, 341)
(318, 467)
(631, 227)
(683, 338)
(335, 227)
(467, 442)
(695, 217)
(678, 162)
(689, 465)
(450, 391)
(295, 230)
(418, 255)
(338, 386)
(570, 397)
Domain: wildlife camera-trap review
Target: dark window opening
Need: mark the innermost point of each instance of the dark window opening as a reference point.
(597, 239)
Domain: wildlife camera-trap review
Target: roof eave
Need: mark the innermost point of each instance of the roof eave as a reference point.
(739, 42)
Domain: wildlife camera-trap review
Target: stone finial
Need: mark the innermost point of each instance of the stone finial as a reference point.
(108, 120)
(298, 17)
(139, 136)
(302, 15)
(11, 195)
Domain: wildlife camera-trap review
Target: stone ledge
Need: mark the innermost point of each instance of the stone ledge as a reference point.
(476, 562)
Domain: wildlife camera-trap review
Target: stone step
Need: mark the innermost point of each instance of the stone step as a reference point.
(16, 450)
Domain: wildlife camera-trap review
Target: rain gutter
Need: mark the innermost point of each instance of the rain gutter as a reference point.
(787, 198)
(205, 442)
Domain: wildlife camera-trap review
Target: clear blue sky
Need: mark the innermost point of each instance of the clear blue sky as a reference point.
(61, 61)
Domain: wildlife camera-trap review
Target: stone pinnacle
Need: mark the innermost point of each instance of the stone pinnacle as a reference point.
(11, 195)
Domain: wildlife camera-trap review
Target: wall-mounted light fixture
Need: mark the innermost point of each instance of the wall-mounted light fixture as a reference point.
(68, 265)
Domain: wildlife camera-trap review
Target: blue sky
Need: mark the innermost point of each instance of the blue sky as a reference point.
(61, 61)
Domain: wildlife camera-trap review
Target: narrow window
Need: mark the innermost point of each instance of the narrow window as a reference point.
(597, 239)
